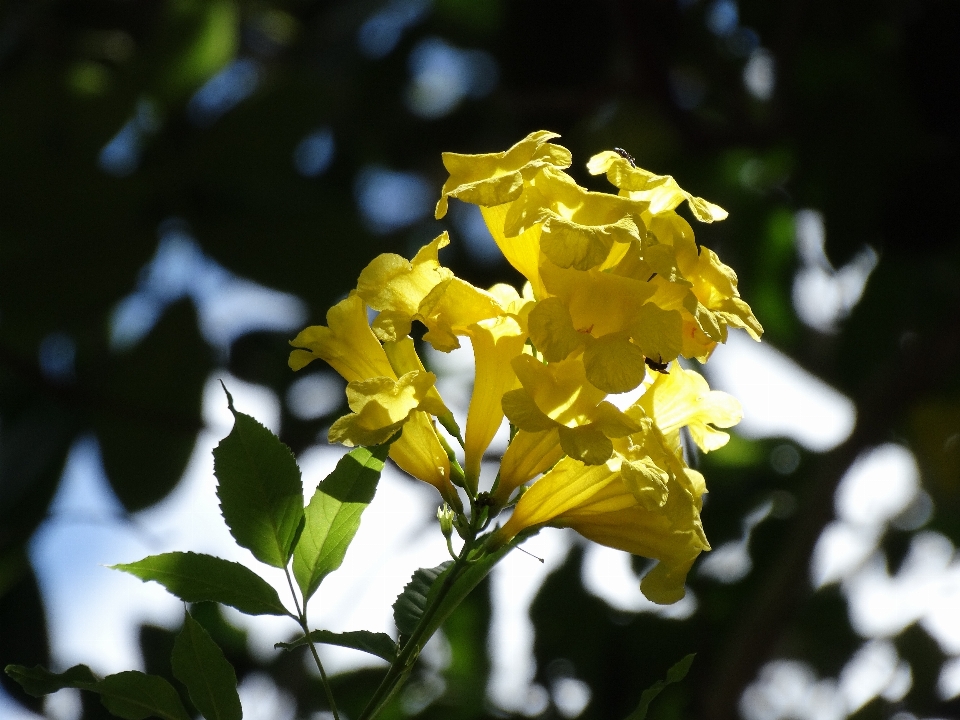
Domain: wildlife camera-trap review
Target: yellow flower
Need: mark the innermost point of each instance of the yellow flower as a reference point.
(661, 192)
(683, 398)
(396, 286)
(580, 229)
(382, 401)
(496, 341)
(557, 397)
(497, 178)
(346, 343)
(595, 501)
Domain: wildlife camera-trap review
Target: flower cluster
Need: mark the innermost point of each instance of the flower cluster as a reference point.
(617, 290)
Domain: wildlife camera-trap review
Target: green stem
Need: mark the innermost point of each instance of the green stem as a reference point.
(302, 619)
(411, 650)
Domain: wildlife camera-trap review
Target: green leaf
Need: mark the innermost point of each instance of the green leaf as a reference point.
(260, 491)
(38, 681)
(674, 675)
(134, 696)
(333, 515)
(194, 577)
(464, 584)
(410, 604)
(379, 644)
(131, 695)
(198, 663)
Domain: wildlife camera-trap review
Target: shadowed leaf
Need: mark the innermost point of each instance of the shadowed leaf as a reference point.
(261, 495)
(379, 644)
(199, 664)
(410, 604)
(674, 675)
(194, 577)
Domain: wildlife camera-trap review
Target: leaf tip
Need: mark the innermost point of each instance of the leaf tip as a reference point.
(229, 397)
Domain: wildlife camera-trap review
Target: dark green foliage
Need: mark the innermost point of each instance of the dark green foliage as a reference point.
(130, 694)
(148, 422)
(409, 606)
(199, 664)
(38, 681)
(674, 675)
(21, 609)
(379, 644)
(194, 577)
(332, 517)
(261, 495)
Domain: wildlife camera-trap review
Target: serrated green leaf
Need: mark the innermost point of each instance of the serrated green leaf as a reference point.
(135, 696)
(260, 491)
(379, 644)
(198, 663)
(409, 606)
(333, 515)
(131, 695)
(674, 675)
(195, 577)
(38, 681)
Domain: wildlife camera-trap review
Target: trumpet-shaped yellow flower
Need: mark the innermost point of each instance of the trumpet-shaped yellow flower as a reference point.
(597, 503)
(683, 398)
(661, 192)
(396, 286)
(346, 343)
(381, 406)
(580, 229)
(559, 397)
(383, 401)
(497, 178)
(496, 342)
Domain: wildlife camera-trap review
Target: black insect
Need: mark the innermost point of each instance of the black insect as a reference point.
(484, 500)
(626, 156)
(658, 365)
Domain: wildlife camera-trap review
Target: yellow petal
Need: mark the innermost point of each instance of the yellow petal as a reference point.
(586, 443)
(346, 343)
(658, 332)
(396, 286)
(664, 584)
(495, 343)
(571, 244)
(661, 191)
(495, 178)
(552, 331)
(522, 411)
(451, 307)
(612, 421)
(521, 251)
(527, 455)
(647, 481)
(683, 399)
(418, 452)
(614, 364)
(380, 406)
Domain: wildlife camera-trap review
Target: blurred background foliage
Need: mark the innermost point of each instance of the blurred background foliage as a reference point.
(288, 142)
